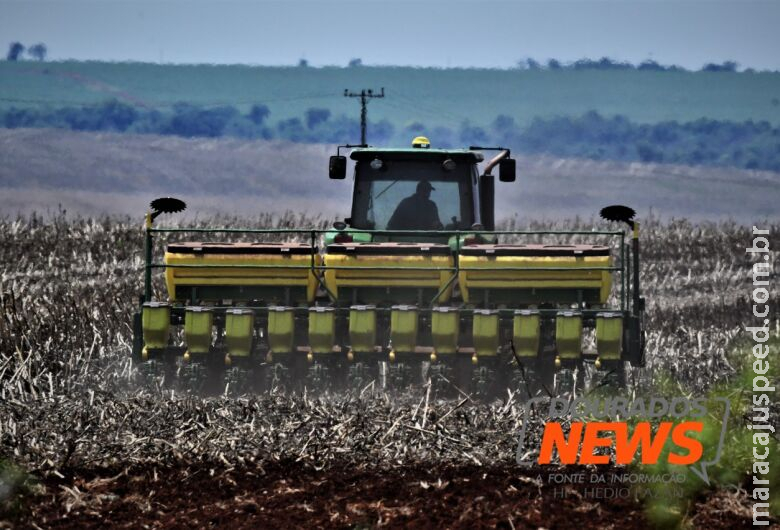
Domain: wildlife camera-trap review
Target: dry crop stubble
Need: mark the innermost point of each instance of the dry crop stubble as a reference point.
(69, 287)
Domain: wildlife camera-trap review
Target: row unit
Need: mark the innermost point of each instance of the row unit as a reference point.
(404, 330)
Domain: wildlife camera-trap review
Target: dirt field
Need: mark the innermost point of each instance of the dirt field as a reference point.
(289, 494)
(98, 173)
(81, 446)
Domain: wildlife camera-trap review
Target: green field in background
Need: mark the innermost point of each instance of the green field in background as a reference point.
(432, 96)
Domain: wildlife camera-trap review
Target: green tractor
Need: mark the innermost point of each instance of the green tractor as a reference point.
(415, 287)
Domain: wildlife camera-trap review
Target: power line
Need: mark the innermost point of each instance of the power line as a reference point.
(429, 108)
(364, 96)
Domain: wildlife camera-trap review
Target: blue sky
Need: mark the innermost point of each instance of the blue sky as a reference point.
(420, 33)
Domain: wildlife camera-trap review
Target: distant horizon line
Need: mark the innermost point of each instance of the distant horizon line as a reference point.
(542, 66)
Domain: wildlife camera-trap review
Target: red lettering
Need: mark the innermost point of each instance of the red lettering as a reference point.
(553, 438)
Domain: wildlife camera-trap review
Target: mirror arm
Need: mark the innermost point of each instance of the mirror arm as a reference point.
(348, 146)
(494, 162)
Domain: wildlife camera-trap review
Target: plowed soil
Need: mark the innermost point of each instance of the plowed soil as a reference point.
(291, 495)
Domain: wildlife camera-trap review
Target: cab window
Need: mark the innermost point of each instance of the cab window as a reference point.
(380, 192)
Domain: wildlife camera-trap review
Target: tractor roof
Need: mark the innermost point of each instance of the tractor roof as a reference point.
(369, 153)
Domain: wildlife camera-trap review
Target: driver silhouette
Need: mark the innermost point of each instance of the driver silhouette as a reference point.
(416, 212)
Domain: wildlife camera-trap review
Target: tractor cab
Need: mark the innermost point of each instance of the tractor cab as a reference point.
(415, 192)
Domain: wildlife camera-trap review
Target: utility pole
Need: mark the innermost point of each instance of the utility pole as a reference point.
(364, 96)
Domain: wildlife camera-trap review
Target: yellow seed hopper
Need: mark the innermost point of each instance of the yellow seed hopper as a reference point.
(277, 272)
(402, 272)
(566, 273)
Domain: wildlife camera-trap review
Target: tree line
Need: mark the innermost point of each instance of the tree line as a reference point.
(749, 144)
(36, 51)
(606, 63)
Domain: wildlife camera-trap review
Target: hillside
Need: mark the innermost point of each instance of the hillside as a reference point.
(433, 96)
(92, 173)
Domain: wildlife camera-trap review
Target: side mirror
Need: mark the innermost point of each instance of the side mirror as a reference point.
(506, 170)
(337, 168)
